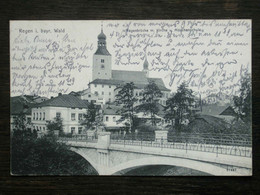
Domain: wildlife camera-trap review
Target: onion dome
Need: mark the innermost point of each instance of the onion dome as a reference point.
(102, 35)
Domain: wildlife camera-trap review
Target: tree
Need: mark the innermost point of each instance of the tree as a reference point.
(179, 106)
(20, 122)
(90, 116)
(149, 105)
(93, 116)
(55, 125)
(45, 156)
(126, 97)
(243, 103)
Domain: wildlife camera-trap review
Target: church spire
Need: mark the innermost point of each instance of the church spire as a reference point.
(102, 45)
(145, 67)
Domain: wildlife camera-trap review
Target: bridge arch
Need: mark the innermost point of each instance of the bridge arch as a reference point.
(86, 157)
(179, 162)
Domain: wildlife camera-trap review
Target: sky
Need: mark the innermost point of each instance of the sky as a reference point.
(173, 52)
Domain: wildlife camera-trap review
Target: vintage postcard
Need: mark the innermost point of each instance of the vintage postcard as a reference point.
(131, 97)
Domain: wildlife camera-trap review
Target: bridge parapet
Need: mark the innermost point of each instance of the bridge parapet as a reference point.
(161, 136)
(103, 140)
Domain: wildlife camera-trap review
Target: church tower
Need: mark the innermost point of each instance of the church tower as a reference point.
(101, 60)
(145, 67)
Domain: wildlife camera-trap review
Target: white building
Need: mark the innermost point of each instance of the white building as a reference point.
(105, 80)
(111, 118)
(21, 105)
(67, 107)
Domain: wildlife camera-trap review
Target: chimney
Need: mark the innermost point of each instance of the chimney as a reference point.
(60, 94)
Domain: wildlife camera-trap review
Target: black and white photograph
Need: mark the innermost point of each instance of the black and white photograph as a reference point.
(131, 97)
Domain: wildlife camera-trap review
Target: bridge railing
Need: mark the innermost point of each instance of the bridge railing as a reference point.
(80, 138)
(238, 145)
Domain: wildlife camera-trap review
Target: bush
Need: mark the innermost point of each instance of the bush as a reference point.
(45, 156)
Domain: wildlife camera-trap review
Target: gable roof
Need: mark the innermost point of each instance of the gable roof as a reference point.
(212, 109)
(69, 101)
(106, 82)
(229, 111)
(159, 82)
(129, 76)
(139, 78)
(213, 121)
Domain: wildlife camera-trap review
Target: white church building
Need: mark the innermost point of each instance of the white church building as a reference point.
(102, 89)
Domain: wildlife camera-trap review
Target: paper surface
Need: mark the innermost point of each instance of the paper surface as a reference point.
(212, 57)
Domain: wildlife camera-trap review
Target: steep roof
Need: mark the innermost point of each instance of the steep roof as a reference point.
(129, 76)
(229, 111)
(212, 109)
(69, 101)
(159, 82)
(102, 51)
(120, 77)
(213, 121)
(106, 82)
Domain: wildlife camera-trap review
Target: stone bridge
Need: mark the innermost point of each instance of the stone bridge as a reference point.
(116, 157)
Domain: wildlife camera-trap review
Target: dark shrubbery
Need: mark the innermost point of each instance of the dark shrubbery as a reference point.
(45, 156)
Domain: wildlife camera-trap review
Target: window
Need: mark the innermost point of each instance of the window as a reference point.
(102, 60)
(96, 93)
(89, 95)
(37, 116)
(114, 119)
(73, 116)
(43, 118)
(40, 128)
(40, 116)
(109, 93)
(102, 66)
(136, 93)
(107, 118)
(43, 128)
(80, 130)
(58, 115)
(34, 116)
(109, 86)
(109, 99)
(102, 92)
(80, 116)
(72, 130)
